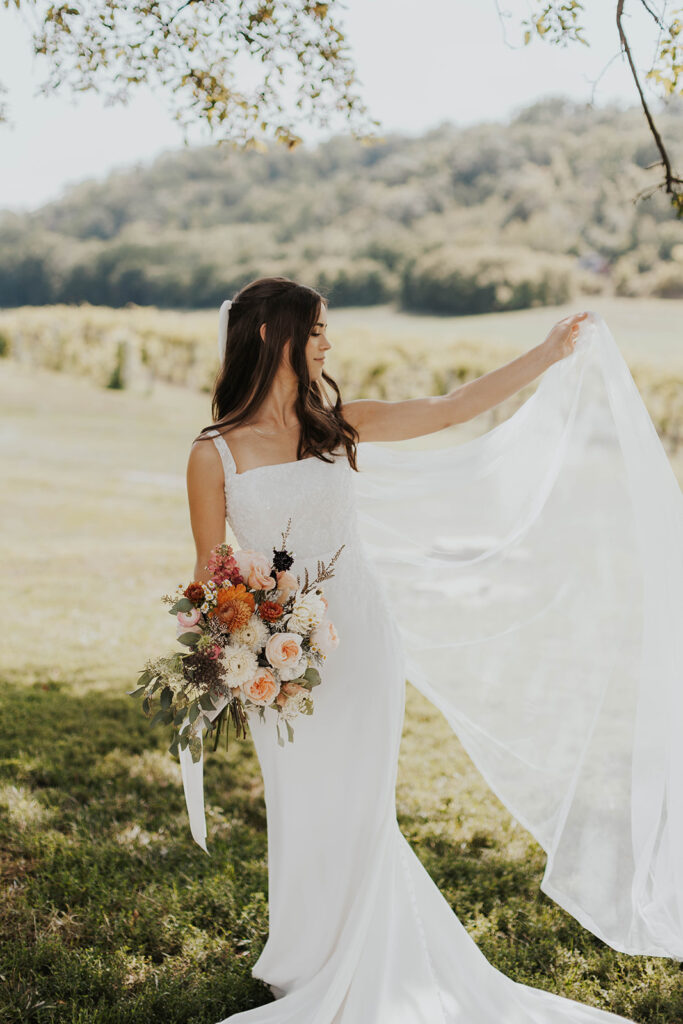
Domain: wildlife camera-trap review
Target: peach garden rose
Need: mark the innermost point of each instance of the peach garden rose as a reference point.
(255, 569)
(262, 688)
(325, 637)
(286, 582)
(283, 650)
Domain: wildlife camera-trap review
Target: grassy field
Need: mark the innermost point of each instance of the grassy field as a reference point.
(110, 912)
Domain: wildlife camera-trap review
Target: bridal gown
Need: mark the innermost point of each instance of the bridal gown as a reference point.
(359, 933)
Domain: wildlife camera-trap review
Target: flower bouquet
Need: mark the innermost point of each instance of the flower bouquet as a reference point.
(256, 637)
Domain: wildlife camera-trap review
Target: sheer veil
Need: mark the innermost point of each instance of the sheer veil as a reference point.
(536, 573)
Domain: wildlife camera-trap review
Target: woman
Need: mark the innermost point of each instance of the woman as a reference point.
(358, 931)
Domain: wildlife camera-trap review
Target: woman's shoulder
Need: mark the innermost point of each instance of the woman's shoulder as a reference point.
(213, 435)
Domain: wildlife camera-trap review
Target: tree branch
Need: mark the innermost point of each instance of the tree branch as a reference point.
(671, 180)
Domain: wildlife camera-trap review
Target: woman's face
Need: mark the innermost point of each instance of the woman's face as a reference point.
(317, 345)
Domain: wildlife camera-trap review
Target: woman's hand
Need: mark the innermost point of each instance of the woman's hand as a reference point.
(561, 340)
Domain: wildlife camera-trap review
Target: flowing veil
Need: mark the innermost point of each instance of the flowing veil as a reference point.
(536, 573)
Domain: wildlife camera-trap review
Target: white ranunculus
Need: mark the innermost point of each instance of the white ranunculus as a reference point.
(288, 672)
(253, 634)
(239, 663)
(294, 705)
(307, 613)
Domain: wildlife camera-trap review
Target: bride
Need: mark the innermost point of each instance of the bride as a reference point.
(507, 578)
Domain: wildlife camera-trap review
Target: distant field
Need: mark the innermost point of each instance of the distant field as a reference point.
(647, 330)
(110, 913)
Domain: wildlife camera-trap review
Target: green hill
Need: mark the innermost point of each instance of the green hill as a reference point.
(486, 218)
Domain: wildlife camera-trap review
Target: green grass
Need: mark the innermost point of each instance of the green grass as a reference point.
(110, 913)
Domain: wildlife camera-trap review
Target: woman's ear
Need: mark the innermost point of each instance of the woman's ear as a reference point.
(262, 332)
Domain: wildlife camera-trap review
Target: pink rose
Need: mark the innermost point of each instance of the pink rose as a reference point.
(189, 618)
(286, 582)
(187, 622)
(254, 568)
(262, 688)
(283, 650)
(325, 637)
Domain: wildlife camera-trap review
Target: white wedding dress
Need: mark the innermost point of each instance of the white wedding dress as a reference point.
(358, 931)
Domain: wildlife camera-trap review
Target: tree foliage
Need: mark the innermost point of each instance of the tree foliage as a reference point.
(195, 50)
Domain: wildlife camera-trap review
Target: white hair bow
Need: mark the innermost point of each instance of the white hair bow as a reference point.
(223, 328)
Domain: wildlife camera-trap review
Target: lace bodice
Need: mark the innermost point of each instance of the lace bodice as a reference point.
(318, 496)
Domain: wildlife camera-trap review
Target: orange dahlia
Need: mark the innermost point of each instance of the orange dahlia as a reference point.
(194, 592)
(270, 611)
(234, 606)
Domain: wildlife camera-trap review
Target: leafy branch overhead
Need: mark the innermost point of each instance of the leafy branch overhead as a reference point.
(203, 52)
(559, 22)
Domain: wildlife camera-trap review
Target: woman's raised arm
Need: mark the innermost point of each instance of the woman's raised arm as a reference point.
(377, 420)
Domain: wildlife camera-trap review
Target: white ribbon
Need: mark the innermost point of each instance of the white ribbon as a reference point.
(223, 328)
(192, 773)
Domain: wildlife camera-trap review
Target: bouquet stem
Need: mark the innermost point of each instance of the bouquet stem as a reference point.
(234, 710)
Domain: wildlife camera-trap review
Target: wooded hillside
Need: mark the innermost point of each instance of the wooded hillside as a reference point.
(459, 220)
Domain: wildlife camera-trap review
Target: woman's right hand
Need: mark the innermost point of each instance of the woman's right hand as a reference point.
(561, 339)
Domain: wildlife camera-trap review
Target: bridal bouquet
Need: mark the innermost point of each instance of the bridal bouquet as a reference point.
(256, 639)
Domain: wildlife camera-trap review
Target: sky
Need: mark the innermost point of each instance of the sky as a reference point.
(419, 63)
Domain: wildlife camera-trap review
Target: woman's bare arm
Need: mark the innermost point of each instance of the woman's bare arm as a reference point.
(206, 496)
(378, 420)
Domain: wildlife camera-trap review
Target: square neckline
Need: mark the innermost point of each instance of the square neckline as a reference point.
(218, 437)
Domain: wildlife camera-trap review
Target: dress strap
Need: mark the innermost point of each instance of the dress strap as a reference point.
(229, 467)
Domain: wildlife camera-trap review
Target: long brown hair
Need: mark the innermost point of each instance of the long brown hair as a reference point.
(290, 310)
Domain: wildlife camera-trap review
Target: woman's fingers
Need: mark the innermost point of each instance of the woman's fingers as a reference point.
(565, 333)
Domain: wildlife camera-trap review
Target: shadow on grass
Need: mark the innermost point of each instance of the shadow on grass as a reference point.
(530, 938)
(112, 913)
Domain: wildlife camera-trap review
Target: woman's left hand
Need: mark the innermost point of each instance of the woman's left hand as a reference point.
(562, 338)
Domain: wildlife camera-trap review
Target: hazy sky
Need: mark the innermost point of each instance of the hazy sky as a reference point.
(419, 63)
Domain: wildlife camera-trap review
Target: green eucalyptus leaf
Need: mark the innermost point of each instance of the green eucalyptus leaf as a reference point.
(312, 675)
(189, 639)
